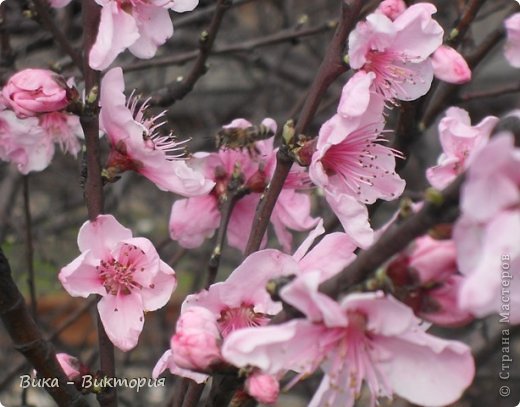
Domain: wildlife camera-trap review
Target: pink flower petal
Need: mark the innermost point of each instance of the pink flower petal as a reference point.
(191, 234)
(117, 31)
(426, 370)
(353, 217)
(102, 235)
(157, 294)
(123, 318)
(81, 277)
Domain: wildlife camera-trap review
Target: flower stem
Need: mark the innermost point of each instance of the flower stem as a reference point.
(29, 252)
(94, 183)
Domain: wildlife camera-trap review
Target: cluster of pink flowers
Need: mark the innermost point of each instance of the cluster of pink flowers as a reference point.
(487, 234)
(292, 210)
(460, 141)
(425, 277)
(366, 337)
(33, 119)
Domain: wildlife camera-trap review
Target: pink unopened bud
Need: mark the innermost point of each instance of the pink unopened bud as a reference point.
(263, 387)
(34, 91)
(392, 8)
(258, 181)
(449, 66)
(70, 365)
(195, 344)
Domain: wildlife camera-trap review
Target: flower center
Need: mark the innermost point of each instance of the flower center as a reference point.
(117, 275)
(391, 72)
(244, 316)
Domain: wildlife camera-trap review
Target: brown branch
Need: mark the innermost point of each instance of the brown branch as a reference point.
(29, 341)
(46, 20)
(331, 67)
(244, 46)
(204, 13)
(394, 240)
(226, 211)
(51, 336)
(499, 91)
(468, 15)
(180, 89)
(6, 52)
(94, 184)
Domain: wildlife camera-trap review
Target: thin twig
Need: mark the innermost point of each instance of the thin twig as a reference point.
(456, 35)
(43, 15)
(244, 46)
(94, 185)
(180, 89)
(226, 210)
(204, 13)
(488, 93)
(29, 250)
(394, 240)
(332, 66)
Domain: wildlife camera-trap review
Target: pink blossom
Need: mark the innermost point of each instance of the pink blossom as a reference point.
(140, 25)
(366, 102)
(239, 302)
(512, 47)
(24, 143)
(351, 165)
(64, 129)
(397, 51)
(242, 300)
(425, 277)
(264, 388)
(137, 144)
(487, 234)
(196, 340)
(449, 66)
(34, 91)
(459, 141)
(126, 271)
(292, 210)
(366, 337)
(391, 8)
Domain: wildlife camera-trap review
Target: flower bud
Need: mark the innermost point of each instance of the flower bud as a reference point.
(392, 8)
(70, 365)
(263, 387)
(449, 66)
(34, 91)
(257, 182)
(195, 344)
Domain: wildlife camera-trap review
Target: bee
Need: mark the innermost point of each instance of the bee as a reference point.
(238, 138)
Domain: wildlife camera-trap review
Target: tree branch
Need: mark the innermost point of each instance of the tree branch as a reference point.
(331, 67)
(29, 341)
(94, 184)
(244, 46)
(46, 20)
(180, 89)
